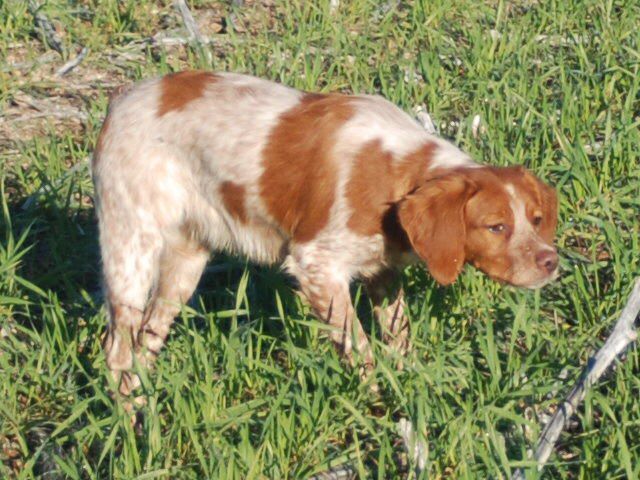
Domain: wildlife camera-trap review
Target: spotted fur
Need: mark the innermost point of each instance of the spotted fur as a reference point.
(332, 187)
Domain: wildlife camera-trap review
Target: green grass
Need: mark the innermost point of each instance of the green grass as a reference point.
(248, 386)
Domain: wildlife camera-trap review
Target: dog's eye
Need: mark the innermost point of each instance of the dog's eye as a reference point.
(497, 228)
(537, 220)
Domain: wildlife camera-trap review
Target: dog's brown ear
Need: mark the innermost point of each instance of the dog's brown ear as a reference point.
(433, 218)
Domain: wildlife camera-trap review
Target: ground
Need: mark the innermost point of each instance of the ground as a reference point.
(248, 386)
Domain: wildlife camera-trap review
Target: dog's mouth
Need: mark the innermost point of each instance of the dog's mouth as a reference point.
(537, 283)
(545, 281)
(524, 279)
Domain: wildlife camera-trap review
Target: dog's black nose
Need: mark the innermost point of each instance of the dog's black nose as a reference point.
(547, 260)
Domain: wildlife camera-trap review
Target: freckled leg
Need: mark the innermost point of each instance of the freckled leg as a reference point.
(181, 267)
(130, 268)
(387, 296)
(331, 302)
(146, 279)
(119, 343)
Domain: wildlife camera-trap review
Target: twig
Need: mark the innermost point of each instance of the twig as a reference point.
(341, 472)
(61, 113)
(475, 126)
(47, 57)
(624, 333)
(424, 119)
(189, 22)
(417, 448)
(162, 39)
(170, 41)
(45, 28)
(44, 109)
(195, 38)
(71, 64)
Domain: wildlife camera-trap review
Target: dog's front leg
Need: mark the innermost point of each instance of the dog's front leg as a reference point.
(331, 302)
(386, 294)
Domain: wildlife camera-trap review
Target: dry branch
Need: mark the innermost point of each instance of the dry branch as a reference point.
(44, 109)
(341, 472)
(417, 448)
(189, 22)
(45, 28)
(195, 38)
(73, 63)
(159, 39)
(624, 333)
(47, 57)
(424, 119)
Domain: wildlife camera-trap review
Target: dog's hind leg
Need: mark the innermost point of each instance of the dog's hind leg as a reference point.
(180, 268)
(131, 251)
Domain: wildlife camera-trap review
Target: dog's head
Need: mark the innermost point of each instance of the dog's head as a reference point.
(501, 220)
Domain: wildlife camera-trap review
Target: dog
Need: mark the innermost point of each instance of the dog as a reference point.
(332, 187)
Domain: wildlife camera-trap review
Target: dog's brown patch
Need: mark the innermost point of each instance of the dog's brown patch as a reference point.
(233, 198)
(413, 170)
(370, 189)
(376, 183)
(180, 89)
(299, 179)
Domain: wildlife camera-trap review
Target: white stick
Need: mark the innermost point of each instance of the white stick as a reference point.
(73, 63)
(417, 448)
(192, 27)
(171, 41)
(341, 472)
(189, 23)
(623, 334)
(424, 119)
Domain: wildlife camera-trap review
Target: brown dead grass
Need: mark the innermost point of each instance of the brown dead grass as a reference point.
(36, 102)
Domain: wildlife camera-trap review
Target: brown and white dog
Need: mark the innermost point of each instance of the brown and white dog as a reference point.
(334, 187)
